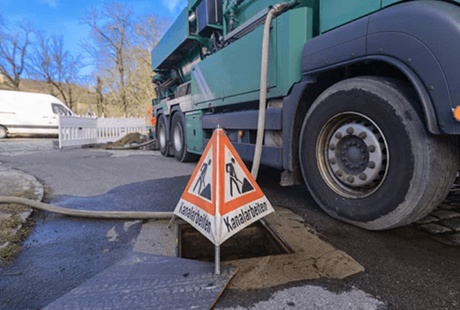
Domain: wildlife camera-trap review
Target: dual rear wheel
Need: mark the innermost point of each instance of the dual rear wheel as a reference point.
(176, 143)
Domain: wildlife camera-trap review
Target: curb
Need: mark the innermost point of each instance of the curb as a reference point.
(17, 183)
(14, 182)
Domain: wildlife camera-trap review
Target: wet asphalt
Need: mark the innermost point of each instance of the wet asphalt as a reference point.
(406, 268)
(62, 252)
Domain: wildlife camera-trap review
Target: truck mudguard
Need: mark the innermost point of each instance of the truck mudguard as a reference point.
(402, 35)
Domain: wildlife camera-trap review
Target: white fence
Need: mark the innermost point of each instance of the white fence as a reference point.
(74, 131)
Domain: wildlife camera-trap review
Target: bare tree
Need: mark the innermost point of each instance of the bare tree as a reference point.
(147, 32)
(56, 66)
(14, 44)
(110, 32)
(100, 100)
(120, 46)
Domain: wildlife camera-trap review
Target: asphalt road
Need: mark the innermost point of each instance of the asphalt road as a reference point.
(405, 268)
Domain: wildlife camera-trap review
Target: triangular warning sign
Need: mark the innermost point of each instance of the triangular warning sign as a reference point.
(221, 197)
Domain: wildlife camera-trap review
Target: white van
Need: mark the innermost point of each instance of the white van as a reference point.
(30, 113)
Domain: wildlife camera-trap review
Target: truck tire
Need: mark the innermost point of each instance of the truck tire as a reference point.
(367, 158)
(3, 132)
(162, 136)
(178, 139)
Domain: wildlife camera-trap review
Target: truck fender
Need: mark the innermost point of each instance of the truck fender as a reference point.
(423, 52)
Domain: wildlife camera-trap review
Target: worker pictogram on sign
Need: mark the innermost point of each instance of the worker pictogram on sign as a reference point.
(221, 197)
(202, 185)
(235, 186)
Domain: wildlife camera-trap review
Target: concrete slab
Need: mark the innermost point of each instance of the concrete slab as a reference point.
(146, 281)
(313, 258)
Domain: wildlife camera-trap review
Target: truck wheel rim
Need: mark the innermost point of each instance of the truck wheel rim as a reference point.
(353, 155)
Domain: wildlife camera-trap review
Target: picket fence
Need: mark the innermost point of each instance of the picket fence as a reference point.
(77, 131)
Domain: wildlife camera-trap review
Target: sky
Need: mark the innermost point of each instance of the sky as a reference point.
(62, 17)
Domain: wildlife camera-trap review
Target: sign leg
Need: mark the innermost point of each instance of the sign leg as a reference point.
(217, 259)
(173, 218)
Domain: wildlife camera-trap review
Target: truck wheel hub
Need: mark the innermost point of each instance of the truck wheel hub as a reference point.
(356, 153)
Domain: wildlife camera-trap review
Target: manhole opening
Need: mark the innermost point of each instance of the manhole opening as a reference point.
(256, 240)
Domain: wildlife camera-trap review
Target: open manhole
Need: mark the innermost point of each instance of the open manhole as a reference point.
(307, 256)
(256, 240)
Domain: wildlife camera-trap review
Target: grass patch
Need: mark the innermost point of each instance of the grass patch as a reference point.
(13, 208)
(29, 194)
(10, 224)
(8, 253)
(12, 230)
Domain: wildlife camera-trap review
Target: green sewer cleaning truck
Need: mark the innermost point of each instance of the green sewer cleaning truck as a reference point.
(359, 99)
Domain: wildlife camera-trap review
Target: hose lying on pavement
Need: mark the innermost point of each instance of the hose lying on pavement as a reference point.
(113, 215)
(130, 147)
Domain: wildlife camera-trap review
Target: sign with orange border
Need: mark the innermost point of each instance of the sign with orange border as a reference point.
(221, 197)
